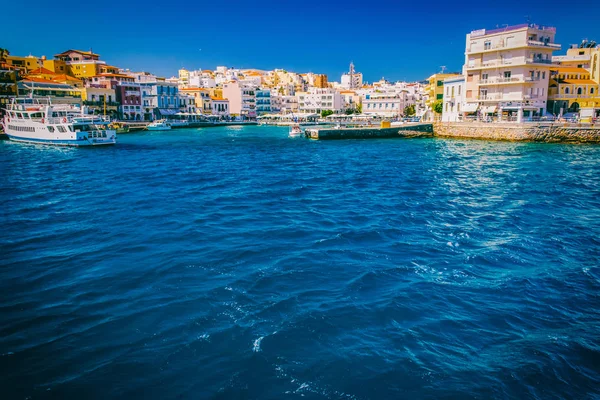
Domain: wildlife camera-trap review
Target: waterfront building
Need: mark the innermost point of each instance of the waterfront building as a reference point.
(58, 93)
(351, 79)
(385, 104)
(263, 101)
(242, 99)
(201, 98)
(129, 97)
(434, 91)
(81, 64)
(159, 99)
(507, 70)
(571, 90)
(316, 100)
(8, 87)
(284, 104)
(453, 106)
(100, 99)
(187, 104)
(220, 106)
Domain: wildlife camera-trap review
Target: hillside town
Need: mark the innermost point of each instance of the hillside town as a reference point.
(509, 74)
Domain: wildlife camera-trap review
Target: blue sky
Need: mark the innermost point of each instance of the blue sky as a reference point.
(384, 38)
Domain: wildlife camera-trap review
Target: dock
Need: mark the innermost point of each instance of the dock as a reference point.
(409, 130)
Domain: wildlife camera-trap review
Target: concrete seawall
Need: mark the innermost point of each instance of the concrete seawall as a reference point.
(530, 132)
(412, 130)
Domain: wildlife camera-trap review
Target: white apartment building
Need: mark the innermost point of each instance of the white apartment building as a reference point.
(454, 108)
(352, 79)
(390, 104)
(507, 70)
(316, 100)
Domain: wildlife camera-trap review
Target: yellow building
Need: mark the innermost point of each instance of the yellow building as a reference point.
(56, 66)
(108, 69)
(321, 81)
(184, 77)
(201, 98)
(571, 89)
(81, 64)
(435, 87)
(23, 64)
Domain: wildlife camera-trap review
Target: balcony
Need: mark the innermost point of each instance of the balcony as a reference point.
(544, 44)
(101, 103)
(507, 46)
(537, 61)
(512, 80)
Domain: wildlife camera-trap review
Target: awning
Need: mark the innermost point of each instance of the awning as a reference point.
(164, 111)
(488, 110)
(470, 107)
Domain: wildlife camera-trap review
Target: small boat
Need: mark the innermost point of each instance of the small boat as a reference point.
(295, 130)
(119, 127)
(160, 125)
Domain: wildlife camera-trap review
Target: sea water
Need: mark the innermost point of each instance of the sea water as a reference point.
(239, 263)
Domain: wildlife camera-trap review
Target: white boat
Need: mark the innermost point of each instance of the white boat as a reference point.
(37, 120)
(295, 130)
(178, 123)
(160, 125)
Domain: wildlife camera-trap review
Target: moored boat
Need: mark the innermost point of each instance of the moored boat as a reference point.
(295, 130)
(36, 120)
(160, 125)
(119, 127)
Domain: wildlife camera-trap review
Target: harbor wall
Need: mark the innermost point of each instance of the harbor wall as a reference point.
(530, 132)
(418, 130)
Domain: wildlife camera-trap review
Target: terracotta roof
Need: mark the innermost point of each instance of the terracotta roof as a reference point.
(579, 82)
(87, 53)
(66, 77)
(42, 70)
(217, 98)
(113, 75)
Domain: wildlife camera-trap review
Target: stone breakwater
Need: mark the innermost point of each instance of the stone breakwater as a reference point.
(409, 130)
(531, 132)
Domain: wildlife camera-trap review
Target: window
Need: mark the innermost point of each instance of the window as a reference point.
(458, 106)
(567, 90)
(61, 128)
(544, 75)
(440, 83)
(579, 90)
(487, 45)
(439, 96)
(507, 74)
(592, 91)
(50, 129)
(459, 90)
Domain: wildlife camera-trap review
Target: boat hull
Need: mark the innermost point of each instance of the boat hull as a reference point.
(71, 143)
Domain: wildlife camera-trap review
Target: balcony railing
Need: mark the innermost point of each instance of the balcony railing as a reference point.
(494, 81)
(101, 103)
(537, 61)
(544, 44)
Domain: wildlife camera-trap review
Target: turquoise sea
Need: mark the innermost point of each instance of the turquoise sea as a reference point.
(239, 263)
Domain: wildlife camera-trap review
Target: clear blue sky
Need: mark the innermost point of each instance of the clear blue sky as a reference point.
(383, 38)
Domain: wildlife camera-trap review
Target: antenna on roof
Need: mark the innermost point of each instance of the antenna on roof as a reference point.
(443, 68)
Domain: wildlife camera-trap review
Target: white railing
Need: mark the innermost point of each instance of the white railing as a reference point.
(544, 44)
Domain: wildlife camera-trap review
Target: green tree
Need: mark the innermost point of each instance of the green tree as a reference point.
(438, 106)
(409, 110)
(325, 113)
